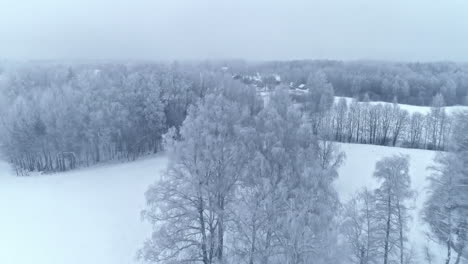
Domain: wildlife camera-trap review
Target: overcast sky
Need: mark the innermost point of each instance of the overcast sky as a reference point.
(409, 30)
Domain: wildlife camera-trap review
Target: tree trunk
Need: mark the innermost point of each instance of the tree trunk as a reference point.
(368, 227)
(400, 226)
(449, 239)
(267, 247)
(357, 132)
(219, 253)
(395, 136)
(457, 261)
(449, 252)
(363, 259)
(201, 218)
(387, 230)
(254, 236)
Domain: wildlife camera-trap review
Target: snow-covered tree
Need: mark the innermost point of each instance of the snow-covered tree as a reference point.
(320, 98)
(189, 207)
(415, 130)
(360, 228)
(400, 121)
(436, 121)
(446, 210)
(287, 202)
(391, 206)
(245, 186)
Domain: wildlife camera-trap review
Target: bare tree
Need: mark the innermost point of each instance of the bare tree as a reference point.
(400, 121)
(415, 130)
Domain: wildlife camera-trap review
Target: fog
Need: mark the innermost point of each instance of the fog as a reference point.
(415, 30)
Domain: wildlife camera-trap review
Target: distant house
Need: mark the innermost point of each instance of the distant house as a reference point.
(277, 78)
(237, 77)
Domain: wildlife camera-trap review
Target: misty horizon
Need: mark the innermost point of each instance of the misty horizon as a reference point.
(259, 31)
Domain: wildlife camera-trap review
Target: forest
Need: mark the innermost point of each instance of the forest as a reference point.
(57, 117)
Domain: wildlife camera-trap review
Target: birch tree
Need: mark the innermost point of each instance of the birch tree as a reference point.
(189, 207)
(360, 228)
(391, 199)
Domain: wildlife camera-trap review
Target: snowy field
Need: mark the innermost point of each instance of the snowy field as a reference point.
(92, 215)
(88, 216)
(412, 108)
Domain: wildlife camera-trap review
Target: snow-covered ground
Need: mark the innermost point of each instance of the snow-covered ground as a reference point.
(92, 215)
(88, 216)
(412, 108)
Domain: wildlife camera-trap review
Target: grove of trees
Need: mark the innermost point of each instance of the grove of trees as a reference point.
(247, 183)
(365, 122)
(57, 117)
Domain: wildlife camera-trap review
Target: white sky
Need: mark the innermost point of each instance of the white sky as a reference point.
(409, 30)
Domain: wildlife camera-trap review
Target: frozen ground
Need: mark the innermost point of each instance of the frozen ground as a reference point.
(92, 215)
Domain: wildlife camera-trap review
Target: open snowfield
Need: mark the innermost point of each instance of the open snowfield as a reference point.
(410, 108)
(88, 216)
(92, 215)
(413, 108)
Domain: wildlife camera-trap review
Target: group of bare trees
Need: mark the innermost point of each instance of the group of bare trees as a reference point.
(373, 123)
(388, 125)
(376, 222)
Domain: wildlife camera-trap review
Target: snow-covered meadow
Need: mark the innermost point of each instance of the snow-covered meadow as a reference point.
(93, 215)
(88, 216)
(412, 108)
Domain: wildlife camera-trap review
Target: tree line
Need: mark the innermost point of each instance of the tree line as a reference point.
(364, 122)
(385, 124)
(56, 117)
